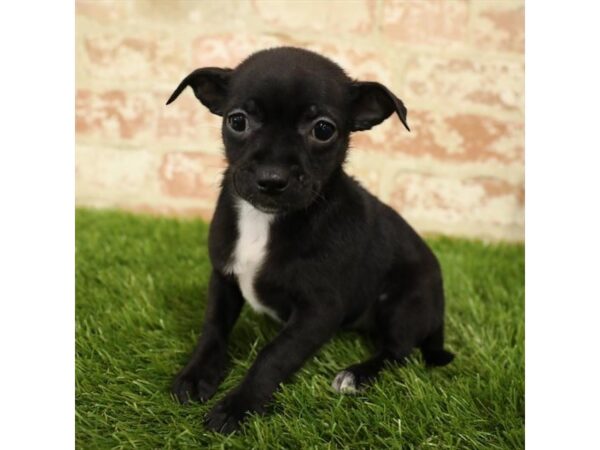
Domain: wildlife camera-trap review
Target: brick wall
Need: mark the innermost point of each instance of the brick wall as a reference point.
(457, 64)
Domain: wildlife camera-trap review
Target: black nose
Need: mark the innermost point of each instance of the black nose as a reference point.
(272, 180)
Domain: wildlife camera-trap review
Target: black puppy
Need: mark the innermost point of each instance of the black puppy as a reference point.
(298, 238)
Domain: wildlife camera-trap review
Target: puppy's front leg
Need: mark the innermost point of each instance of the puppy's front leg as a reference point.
(199, 379)
(305, 332)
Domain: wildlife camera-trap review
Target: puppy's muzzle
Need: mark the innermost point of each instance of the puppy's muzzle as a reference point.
(272, 180)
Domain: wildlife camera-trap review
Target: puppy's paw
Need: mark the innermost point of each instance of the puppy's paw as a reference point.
(227, 415)
(189, 385)
(345, 383)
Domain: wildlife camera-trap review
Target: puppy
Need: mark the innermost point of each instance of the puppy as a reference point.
(300, 240)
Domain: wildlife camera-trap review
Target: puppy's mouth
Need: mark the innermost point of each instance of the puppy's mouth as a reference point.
(290, 200)
(266, 205)
(266, 209)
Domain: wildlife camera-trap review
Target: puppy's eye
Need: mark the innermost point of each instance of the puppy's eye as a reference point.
(323, 130)
(237, 122)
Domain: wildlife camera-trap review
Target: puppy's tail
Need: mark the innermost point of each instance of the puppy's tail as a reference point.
(437, 358)
(433, 351)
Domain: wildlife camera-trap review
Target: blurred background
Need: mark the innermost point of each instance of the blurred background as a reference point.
(458, 65)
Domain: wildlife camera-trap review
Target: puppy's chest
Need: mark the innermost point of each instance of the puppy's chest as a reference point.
(250, 252)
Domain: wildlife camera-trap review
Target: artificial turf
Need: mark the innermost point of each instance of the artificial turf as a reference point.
(140, 290)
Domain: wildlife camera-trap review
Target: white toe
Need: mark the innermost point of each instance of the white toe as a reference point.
(344, 383)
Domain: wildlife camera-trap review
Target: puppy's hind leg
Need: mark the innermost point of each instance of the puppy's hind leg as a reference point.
(404, 314)
(395, 343)
(359, 376)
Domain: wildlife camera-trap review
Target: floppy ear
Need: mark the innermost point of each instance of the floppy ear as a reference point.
(209, 85)
(372, 104)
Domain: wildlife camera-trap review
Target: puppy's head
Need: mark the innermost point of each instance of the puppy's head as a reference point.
(287, 118)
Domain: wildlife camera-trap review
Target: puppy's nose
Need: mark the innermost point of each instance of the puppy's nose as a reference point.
(272, 180)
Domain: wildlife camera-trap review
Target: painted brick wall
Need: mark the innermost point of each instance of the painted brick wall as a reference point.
(457, 64)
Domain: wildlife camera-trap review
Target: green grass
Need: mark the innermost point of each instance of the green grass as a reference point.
(141, 286)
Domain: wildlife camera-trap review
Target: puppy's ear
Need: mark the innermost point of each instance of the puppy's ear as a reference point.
(373, 103)
(209, 85)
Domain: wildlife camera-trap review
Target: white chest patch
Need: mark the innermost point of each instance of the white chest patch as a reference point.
(250, 251)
